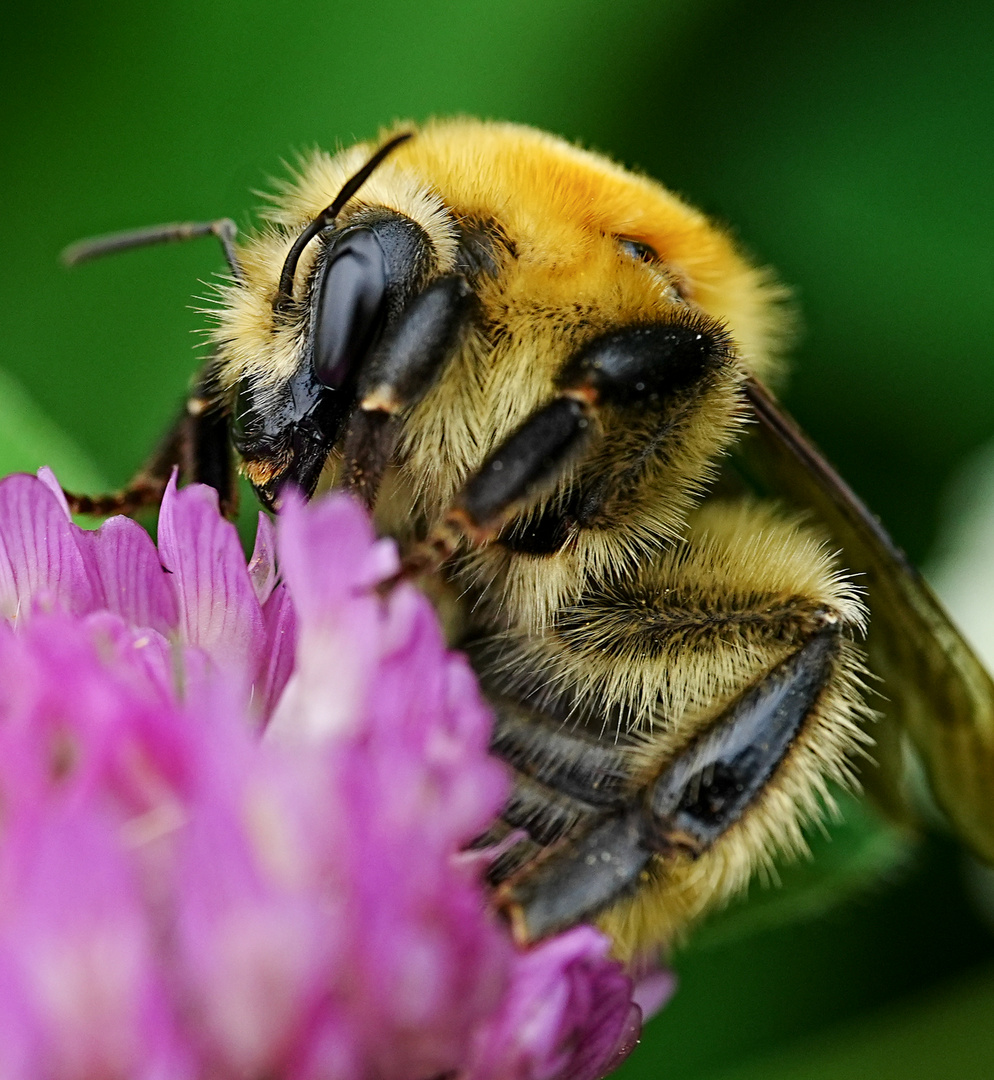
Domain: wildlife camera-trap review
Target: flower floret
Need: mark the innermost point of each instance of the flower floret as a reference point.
(234, 800)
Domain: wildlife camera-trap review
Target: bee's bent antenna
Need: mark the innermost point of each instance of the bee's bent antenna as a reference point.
(93, 248)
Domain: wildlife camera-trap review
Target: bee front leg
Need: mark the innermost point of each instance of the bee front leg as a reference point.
(197, 444)
(403, 369)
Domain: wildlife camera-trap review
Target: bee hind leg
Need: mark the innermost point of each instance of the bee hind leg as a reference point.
(697, 796)
(576, 801)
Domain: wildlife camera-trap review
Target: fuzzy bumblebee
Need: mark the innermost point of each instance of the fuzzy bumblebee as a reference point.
(545, 375)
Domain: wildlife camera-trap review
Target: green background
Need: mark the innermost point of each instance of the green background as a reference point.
(851, 145)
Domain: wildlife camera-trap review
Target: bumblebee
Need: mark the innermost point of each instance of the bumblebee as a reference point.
(546, 377)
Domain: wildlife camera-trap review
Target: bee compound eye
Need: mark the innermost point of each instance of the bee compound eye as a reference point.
(637, 249)
(351, 305)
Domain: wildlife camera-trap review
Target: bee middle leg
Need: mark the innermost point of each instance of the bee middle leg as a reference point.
(650, 373)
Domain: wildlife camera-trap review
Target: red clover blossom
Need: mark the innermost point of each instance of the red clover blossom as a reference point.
(232, 811)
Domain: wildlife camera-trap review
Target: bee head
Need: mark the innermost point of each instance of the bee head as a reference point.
(563, 279)
(364, 274)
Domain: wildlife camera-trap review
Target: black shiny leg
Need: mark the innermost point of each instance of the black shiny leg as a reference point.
(402, 370)
(640, 369)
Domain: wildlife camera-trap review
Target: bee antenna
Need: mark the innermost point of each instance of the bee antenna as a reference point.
(284, 295)
(224, 229)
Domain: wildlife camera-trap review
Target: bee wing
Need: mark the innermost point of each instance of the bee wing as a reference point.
(936, 689)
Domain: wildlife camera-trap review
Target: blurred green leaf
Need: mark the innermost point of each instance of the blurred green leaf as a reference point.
(946, 1034)
(28, 440)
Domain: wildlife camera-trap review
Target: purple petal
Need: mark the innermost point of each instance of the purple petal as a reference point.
(427, 962)
(82, 946)
(329, 1049)
(280, 621)
(218, 609)
(47, 477)
(442, 724)
(287, 907)
(251, 932)
(39, 558)
(127, 576)
(329, 553)
(567, 1016)
(327, 693)
(629, 1036)
(83, 710)
(606, 1031)
(331, 560)
(473, 801)
(20, 1037)
(654, 986)
(150, 658)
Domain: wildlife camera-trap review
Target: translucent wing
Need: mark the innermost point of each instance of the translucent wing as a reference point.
(936, 689)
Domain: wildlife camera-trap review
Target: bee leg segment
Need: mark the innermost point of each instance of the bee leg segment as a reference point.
(407, 362)
(369, 444)
(197, 444)
(705, 790)
(401, 371)
(570, 763)
(575, 797)
(572, 882)
(536, 455)
(645, 365)
(638, 367)
(528, 461)
(144, 489)
(545, 814)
